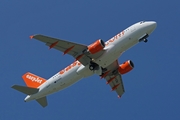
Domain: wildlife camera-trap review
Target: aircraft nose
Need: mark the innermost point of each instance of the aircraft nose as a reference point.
(151, 25)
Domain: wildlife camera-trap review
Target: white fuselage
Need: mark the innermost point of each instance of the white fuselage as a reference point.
(113, 49)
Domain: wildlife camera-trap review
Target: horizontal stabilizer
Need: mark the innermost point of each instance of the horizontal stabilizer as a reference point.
(25, 90)
(42, 101)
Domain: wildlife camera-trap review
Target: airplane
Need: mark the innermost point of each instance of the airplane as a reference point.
(97, 58)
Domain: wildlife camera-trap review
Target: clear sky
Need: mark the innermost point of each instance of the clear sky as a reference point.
(151, 90)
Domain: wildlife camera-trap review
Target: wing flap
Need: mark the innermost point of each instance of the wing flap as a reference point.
(116, 82)
(120, 89)
(63, 49)
(114, 79)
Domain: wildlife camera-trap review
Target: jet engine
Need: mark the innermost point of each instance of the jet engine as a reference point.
(126, 67)
(96, 46)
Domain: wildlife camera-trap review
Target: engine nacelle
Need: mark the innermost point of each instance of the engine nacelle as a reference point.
(96, 46)
(126, 67)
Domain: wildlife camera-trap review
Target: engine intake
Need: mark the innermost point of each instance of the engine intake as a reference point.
(96, 46)
(126, 67)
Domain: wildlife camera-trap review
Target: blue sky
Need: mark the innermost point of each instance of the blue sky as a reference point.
(151, 89)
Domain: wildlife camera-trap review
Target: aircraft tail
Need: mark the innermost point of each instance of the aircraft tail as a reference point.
(25, 90)
(29, 91)
(32, 80)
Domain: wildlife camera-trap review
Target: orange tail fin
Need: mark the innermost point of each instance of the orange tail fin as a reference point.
(32, 80)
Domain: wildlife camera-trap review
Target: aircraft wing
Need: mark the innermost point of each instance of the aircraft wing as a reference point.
(70, 48)
(114, 79)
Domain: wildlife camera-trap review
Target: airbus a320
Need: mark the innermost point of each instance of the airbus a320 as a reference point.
(99, 58)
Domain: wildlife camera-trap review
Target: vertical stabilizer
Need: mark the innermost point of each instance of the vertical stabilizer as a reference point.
(32, 80)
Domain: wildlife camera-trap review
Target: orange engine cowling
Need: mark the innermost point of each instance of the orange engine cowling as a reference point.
(126, 67)
(96, 46)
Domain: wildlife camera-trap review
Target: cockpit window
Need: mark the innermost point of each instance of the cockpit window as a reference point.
(142, 22)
